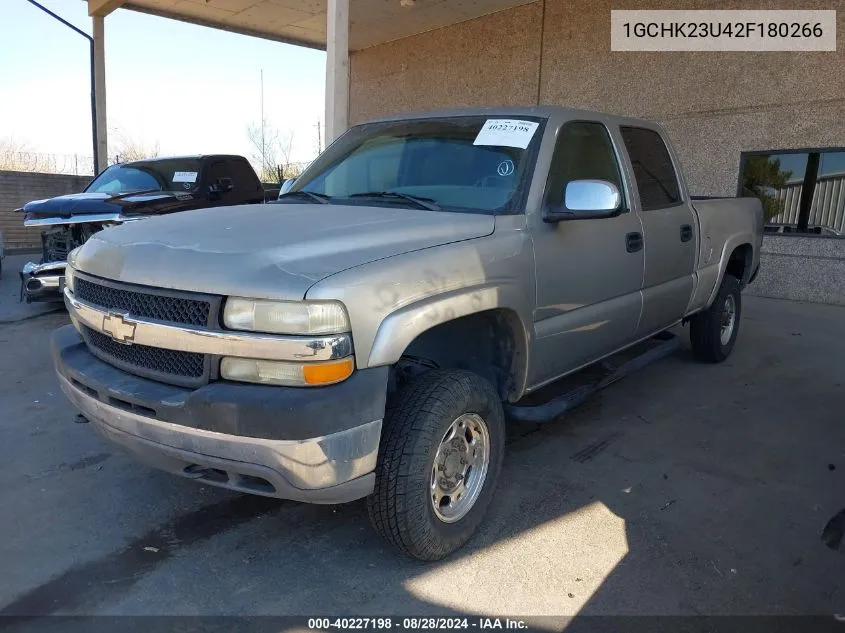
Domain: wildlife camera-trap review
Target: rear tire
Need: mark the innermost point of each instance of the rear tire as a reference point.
(452, 420)
(714, 331)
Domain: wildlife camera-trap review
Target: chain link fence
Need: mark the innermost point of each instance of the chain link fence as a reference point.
(83, 165)
(69, 164)
(290, 170)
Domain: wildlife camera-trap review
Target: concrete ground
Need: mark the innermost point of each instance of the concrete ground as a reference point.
(683, 489)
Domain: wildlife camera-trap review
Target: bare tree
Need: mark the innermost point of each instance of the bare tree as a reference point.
(271, 150)
(286, 166)
(128, 149)
(17, 155)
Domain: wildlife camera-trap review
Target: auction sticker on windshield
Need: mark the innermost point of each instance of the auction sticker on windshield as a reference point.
(184, 176)
(506, 133)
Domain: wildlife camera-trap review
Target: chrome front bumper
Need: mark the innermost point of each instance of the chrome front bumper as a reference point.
(42, 282)
(335, 468)
(199, 340)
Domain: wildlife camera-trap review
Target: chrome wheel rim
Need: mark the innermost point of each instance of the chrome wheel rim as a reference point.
(460, 468)
(728, 320)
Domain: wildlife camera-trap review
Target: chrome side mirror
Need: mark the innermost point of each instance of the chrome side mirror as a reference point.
(287, 185)
(592, 196)
(586, 199)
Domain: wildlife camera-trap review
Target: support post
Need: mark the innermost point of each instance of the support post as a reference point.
(807, 189)
(98, 62)
(337, 68)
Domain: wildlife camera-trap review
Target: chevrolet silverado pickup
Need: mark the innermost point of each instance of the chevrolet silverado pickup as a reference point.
(127, 192)
(365, 336)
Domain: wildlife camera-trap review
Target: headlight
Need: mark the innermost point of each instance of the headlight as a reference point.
(69, 277)
(285, 317)
(271, 372)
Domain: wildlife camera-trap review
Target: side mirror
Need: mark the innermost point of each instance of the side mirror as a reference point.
(585, 199)
(223, 185)
(287, 185)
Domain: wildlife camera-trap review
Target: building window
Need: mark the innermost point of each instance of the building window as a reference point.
(802, 191)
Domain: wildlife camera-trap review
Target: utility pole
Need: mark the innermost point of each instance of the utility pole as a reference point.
(263, 151)
(319, 138)
(93, 92)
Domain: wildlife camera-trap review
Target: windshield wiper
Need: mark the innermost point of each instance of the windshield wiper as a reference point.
(126, 194)
(426, 203)
(319, 197)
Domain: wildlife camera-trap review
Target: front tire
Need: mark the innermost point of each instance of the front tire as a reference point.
(713, 332)
(441, 452)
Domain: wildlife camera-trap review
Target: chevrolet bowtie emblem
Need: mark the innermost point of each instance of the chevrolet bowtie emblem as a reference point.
(119, 328)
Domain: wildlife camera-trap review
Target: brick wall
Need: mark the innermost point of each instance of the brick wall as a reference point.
(16, 189)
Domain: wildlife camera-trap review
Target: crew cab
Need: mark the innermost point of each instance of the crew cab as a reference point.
(126, 192)
(365, 336)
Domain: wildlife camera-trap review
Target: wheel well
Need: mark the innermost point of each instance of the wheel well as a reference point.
(490, 344)
(739, 263)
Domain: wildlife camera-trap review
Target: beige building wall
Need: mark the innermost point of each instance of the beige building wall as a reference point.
(490, 60)
(715, 105)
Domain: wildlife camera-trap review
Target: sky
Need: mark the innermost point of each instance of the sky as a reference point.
(187, 88)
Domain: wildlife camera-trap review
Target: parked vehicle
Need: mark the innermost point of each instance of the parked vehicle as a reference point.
(125, 192)
(426, 275)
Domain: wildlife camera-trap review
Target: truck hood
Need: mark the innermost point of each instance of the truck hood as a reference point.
(272, 251)
(128, 204)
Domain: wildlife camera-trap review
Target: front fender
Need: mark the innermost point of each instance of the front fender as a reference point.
(392, 301)
(401, 327)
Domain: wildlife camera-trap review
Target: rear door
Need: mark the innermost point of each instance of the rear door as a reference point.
(668, 229)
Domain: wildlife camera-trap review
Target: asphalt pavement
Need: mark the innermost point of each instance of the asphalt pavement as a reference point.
(684, 489)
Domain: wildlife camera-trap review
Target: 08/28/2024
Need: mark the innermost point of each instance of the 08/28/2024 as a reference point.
(413, 623)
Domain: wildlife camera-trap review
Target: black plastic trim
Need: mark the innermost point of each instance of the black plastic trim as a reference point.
(261, 411)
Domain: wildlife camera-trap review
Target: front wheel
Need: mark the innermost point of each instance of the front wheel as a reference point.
(441, 452)
(714, 331)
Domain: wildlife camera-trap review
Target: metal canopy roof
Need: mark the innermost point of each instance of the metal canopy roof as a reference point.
(303, 22)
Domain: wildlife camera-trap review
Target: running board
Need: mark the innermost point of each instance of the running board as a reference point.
(550, 402)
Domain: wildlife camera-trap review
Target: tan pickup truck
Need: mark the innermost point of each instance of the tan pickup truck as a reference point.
(369, 334)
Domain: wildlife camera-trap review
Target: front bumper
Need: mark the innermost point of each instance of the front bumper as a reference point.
(179, 430)
(42, 282)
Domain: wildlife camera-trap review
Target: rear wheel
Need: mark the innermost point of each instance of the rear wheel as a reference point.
(440, 456)
(713, 332)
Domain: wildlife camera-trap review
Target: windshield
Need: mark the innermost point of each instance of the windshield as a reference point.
(474, 163)
(178, 174)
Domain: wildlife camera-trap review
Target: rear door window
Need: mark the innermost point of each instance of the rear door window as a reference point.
(654, 172)
(245, 178)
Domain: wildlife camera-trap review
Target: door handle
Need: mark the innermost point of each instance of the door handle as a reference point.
(634, 242)
(686, 233)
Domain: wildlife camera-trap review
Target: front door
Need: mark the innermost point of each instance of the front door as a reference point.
(222, 169)
(589, 271)
(669, 229)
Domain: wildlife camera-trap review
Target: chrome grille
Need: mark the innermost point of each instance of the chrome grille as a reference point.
(176, 307)
(143, 304)
(165, 362)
